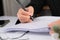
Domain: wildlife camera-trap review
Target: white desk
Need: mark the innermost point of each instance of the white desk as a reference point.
(12, 20)
(30, 36)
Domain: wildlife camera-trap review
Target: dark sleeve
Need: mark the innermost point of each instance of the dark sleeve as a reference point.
(54, 7)
(37, 5)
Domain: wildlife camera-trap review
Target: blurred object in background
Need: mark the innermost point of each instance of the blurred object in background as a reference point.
(11, 7)
(1, 8)
(1, 12)
(46, 11)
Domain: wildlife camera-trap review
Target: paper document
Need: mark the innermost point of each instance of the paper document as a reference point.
(40, 24)
(39, 30)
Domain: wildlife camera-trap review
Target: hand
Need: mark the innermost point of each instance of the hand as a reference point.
(51, 25)
(24, 16)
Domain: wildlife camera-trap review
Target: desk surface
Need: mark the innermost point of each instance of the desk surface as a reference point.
(30, 36)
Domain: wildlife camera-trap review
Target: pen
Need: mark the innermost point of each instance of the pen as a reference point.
(22, 6)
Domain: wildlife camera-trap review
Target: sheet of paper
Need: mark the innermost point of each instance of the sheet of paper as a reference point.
(39, 22)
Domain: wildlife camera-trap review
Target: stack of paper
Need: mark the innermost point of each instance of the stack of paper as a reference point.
(40, 24)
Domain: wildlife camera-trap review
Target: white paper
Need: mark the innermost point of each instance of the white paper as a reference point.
(46, 19)
(38, 23)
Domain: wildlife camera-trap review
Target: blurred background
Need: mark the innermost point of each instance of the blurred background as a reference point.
(9, 7)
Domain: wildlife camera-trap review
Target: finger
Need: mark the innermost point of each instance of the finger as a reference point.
(25, 13)
(51, 32)
(30, 9)
(20, 11)
(24, 18)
